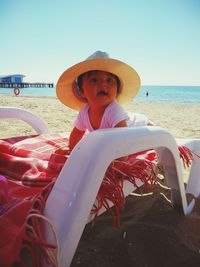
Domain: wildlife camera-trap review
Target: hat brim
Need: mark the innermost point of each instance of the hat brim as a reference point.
(130, 80)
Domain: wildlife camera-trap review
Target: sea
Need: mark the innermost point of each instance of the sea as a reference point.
(167, 94)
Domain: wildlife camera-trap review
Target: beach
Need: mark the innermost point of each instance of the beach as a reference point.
(152, 233)
(182, 120)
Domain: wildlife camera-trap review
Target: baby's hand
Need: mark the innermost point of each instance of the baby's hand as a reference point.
(64, 150)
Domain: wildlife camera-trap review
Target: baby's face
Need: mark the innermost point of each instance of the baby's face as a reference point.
(99, 88)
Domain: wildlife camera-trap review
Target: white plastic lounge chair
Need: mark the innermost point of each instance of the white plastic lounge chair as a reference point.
(73, 195)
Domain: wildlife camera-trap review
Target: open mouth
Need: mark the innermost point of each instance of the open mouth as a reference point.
(102, 93)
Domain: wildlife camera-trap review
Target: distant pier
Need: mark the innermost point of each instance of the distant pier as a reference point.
(23, 85)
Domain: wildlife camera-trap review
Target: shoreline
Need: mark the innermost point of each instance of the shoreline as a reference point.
(146, 101)
(182, 120)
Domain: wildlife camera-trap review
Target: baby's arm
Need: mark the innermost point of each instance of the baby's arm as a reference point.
(75, 137)
(121, 124)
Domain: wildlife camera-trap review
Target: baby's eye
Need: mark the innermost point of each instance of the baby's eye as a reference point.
(93, 80)
(110, 80)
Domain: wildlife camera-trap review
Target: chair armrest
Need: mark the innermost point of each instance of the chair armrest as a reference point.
(17, 113)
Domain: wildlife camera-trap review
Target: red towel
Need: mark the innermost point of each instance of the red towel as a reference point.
(28, 159)
(35, 162)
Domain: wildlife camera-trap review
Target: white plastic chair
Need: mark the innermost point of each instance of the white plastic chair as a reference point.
(73, 195)
(76, 188)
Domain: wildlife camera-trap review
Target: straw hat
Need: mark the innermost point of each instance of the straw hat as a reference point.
(69, 93)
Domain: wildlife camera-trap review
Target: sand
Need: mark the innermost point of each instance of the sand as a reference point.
(182, 120)
(152, 233)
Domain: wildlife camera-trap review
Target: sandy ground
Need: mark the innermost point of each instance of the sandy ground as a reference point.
(182, 120)
(152, 233)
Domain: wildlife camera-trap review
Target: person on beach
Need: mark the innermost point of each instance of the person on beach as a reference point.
(96, 87)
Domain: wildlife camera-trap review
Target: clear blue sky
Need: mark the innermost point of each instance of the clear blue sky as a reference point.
(159, 38)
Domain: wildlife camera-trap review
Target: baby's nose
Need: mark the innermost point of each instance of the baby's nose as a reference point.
(104, 84)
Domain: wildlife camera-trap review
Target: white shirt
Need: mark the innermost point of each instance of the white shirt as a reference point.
(113, 114)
